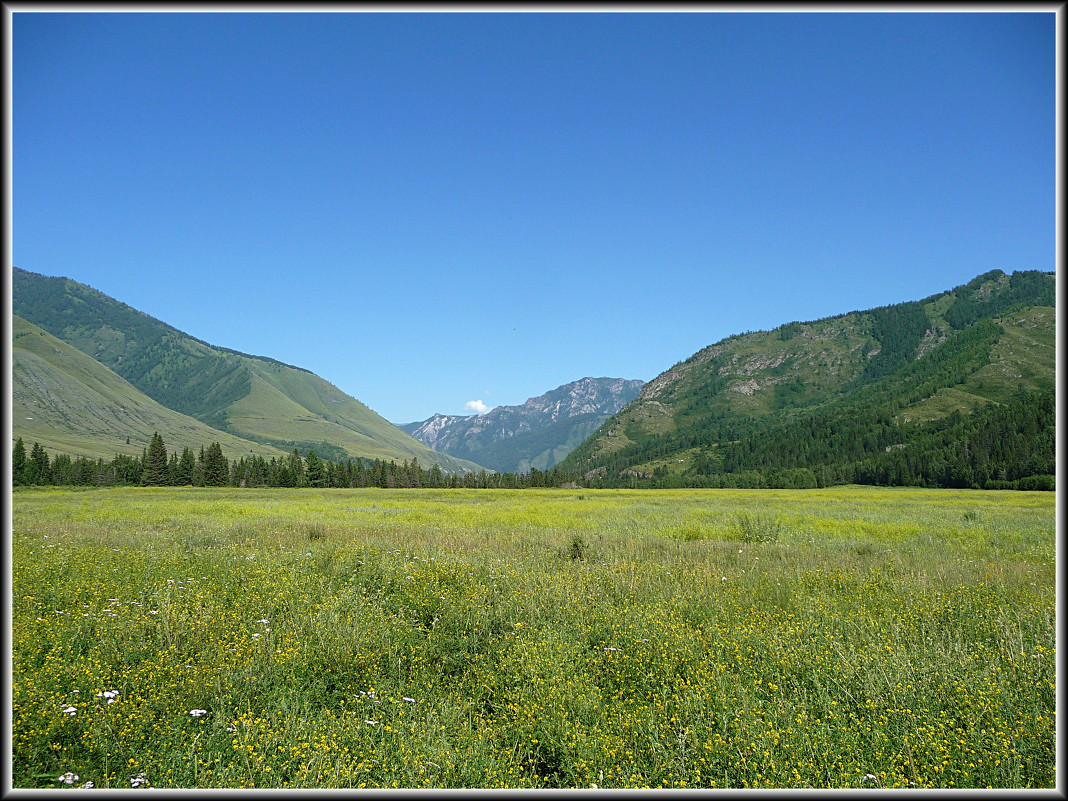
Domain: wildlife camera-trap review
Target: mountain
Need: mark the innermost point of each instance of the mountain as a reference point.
(250, 397)
(70, 403)
(538, 434)
(952, 390)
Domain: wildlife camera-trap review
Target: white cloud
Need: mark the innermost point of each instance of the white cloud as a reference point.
(477, 406)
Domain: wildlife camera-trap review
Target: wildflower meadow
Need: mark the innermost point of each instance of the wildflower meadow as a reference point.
(233, 638)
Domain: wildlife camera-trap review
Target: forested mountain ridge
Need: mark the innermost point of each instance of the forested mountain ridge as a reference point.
(745, 409)
(252, 397)
(536, 434)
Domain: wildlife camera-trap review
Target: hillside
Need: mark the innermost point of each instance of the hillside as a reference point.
(749, 408)
(537, 434)
(72, 404)
(250, 397)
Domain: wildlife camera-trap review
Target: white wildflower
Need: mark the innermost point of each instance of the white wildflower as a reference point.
(198, 712)
(71, 710)
(68, 778)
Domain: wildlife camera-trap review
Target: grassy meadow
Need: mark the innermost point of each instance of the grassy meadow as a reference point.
(848, 637)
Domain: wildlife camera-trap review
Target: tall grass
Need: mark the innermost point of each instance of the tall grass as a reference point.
(369, 638)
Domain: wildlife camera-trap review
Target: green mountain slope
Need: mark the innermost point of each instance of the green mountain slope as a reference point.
(838, 397)
(70, 403)
(251, 397)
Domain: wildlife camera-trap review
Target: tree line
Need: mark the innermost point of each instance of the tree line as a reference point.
(210, 468)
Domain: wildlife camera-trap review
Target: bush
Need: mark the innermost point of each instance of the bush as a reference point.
(1045, 483)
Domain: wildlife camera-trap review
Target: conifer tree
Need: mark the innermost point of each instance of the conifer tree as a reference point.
(314, 471)
(296, 467)
(18, 462)
(62, 470)
(38, 465)
(216, 468)
(187, 466)
(198, 470)
(155, 472)
(435, 476)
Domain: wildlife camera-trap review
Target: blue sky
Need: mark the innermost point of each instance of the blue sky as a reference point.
(430, 210)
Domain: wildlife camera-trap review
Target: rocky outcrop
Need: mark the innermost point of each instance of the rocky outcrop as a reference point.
(588, 401)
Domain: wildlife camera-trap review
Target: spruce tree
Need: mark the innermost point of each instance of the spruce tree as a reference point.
(155, 473)
(198, 470)
(39, 462)
(216, 468)
(296, 467)
(18, 463)
(314, 471)
(187, 466)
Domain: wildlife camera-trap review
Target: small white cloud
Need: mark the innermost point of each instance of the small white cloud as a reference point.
(477, 407)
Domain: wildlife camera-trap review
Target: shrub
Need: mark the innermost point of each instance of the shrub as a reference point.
(1045, 483)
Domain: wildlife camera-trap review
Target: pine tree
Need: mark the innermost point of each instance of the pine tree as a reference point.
(155, 472)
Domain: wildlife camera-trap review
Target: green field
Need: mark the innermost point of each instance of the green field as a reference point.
(848, 637)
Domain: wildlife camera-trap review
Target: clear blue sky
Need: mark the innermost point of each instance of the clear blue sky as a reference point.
(434, 209)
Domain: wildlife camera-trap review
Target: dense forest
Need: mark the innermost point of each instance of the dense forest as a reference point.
(210, 468)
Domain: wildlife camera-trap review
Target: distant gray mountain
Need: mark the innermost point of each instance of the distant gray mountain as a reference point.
(538, 434)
